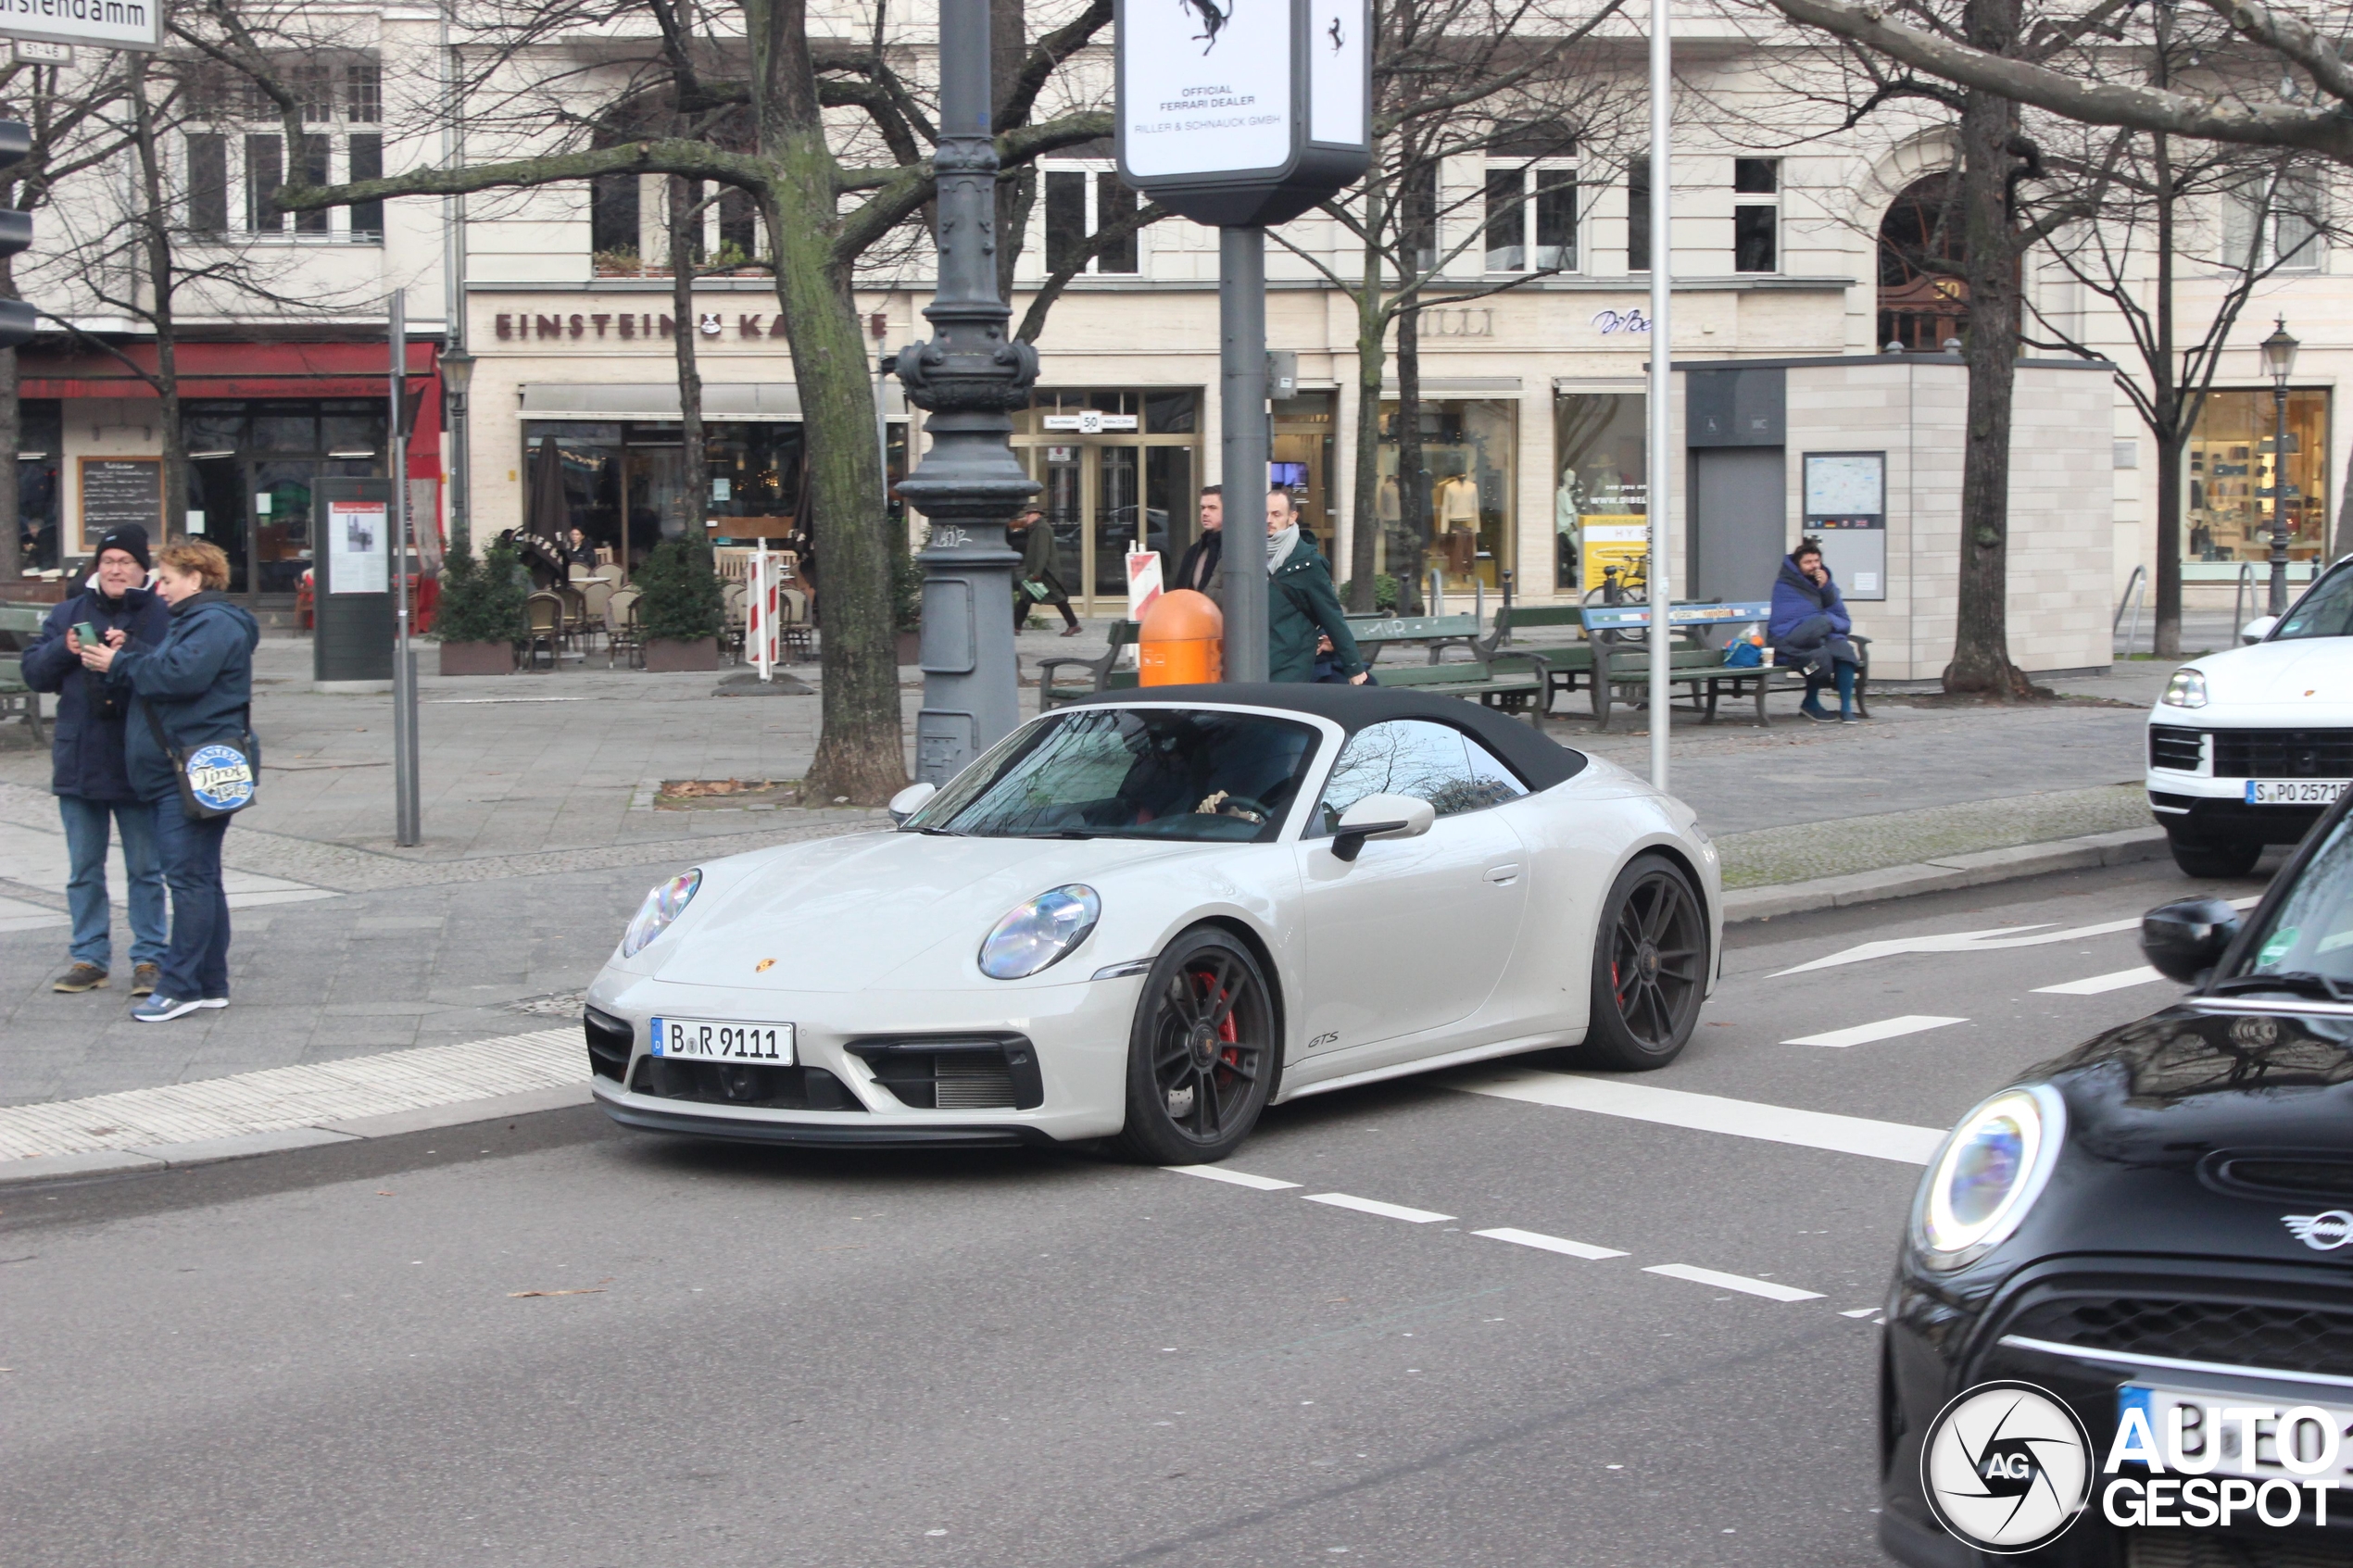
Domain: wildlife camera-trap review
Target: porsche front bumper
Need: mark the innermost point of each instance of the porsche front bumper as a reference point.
(957, 1069)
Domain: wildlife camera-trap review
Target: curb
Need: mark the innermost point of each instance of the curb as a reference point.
(212, 1151)
(1944, 874)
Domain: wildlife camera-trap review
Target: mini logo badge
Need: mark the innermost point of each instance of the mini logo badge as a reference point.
(763, 966)
(2006, 1467)
(2322, 1233)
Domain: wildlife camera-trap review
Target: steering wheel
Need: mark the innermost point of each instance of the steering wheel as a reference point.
(1244, 805)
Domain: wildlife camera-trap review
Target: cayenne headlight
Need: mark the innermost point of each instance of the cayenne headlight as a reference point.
(1040, 933)
(663, 905)
(1988, 1174)
(2186, 689)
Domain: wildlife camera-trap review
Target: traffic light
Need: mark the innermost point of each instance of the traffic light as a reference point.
(17, 316)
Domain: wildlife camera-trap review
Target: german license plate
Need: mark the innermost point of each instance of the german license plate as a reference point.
(708, 1039)
(2294, 792)
(2213, 1430)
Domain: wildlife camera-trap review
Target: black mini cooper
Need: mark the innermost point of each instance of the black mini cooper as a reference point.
(2157, 1229)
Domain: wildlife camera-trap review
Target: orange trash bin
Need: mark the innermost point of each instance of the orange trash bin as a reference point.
(1181, 642)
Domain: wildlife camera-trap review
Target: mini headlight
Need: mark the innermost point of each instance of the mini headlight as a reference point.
(663, 905)
(1988, 1174)
(2186, 689)
(1039, 932)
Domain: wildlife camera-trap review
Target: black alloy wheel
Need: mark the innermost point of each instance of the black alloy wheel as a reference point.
(1650, 968)
(1202, 1055)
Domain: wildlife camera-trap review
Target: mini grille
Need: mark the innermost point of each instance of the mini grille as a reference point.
(2191, 1548)
(2282, 754)
(2176, 748)
(2289, 1339)
(971, 1085)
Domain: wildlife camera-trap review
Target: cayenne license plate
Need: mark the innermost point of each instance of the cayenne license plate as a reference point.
(709, 1039)
(2294, 792)
(2212, 1428)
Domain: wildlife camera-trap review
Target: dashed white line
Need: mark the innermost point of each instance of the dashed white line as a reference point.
(1860, 1313)
(1544, 1243)
(1374, 1206)
(1764, 1288)
(1238, 1178)
(1711, 1114)
(1885, 1029)
(2097, 983)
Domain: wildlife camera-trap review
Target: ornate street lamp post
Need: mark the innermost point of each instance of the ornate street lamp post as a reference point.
(457, 374)
(969, 377)
(2279, 358)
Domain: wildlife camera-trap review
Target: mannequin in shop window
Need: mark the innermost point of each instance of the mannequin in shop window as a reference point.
(1456, 502)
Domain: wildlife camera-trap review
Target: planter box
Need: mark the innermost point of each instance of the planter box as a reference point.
(663, 656)
(477, 658)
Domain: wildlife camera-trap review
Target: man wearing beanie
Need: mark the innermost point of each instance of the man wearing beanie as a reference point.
(88, 773)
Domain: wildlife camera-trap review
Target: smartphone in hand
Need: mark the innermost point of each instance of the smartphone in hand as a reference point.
(88, 632)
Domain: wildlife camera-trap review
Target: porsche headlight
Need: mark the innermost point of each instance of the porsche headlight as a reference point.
(1988, 1174)
(1039, 932)
(663, 905)
(2186, 689)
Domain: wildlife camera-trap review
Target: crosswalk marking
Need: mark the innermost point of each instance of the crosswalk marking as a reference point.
(1238, 1178)
(1885, 1029)
(1710, 1113)
(1544, 1243)
(2140, 974)
(1374, 1206)
(1764, 1288)
(1993, 940)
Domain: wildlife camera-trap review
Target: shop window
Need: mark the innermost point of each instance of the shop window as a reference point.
(1600, 497)
(1531, 216)
(2236, 476)
(1081, 203)
(1638, 213)
(1464, 489)
(2273, 223)
(1757, 214)
(40, 433)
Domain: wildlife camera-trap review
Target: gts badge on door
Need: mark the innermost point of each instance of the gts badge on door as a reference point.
(1320, 1041)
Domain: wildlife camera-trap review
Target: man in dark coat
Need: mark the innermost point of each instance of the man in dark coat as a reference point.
(1301, 605)
(1037, 582)
(1198, 569)
(1810, 628)
(88, 772)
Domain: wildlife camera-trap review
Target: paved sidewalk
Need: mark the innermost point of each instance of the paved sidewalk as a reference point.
(543, 834)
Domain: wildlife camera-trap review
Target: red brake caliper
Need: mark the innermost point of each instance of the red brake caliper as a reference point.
(1230, 1056)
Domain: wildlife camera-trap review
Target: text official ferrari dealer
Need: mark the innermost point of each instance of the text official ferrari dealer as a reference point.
(1152, 916)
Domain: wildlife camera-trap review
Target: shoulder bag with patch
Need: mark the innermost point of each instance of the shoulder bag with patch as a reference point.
(216, 777)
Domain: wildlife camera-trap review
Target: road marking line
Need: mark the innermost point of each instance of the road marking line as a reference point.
(1238, 1178)
(1885, 1029)
(1764, 1288)
(2141, 975)
(1711, 1114)
(1549, 1243)
(1370, 1206)
(1994, 939)
(1859, 1312)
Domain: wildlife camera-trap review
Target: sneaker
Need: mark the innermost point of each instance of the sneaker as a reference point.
(161, 1009)
(1073, 631)
(143, 979)
(1850, 718)
(81, 977)
(1817, 715)
(213, 1002)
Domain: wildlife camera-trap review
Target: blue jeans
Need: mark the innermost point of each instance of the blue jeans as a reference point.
(86, 822)
(196, 966)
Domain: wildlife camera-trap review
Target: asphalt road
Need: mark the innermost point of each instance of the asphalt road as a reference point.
(547, 1342)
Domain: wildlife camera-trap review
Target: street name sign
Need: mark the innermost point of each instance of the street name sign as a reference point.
(101, 24)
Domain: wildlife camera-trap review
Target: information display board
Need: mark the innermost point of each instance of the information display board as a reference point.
(1846, 508)
(119, 490)
(358, 537)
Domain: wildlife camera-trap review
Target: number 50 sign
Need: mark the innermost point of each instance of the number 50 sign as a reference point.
(1243, 112)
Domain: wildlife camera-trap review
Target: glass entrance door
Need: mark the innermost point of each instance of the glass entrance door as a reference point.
(219, 494)
(1103, 496)
(281, 546)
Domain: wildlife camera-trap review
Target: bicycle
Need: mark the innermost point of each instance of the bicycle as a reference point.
(1624, 584)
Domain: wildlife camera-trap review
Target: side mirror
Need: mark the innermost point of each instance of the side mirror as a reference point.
(2258, 629)
(1380, 816)
(911, 799)
(2184, 940)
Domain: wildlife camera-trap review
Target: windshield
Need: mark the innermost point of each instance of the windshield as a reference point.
(2326, 612)
(1129, 773)
(2311, 932)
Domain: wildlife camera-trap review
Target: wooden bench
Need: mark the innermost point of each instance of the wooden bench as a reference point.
(1101, 675)
(1518, 682)
(1374, 632)
(22, 622)
(1695, 663)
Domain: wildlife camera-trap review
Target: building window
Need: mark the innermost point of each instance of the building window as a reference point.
(1531, 216)
(1081, 203)
(612, 216)
(207, 184)
(2272, 223)
(1417, 217)
(1757, 214)
(2234, 477)
(1638, 213)
(336, 96)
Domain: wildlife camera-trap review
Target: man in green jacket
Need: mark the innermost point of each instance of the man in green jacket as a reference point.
(1037, 581)
(1301, 601)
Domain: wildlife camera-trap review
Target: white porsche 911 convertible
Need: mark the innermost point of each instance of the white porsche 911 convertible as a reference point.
(1150, 915)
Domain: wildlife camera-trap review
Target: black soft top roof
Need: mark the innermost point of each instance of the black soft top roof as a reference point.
(1541, 762)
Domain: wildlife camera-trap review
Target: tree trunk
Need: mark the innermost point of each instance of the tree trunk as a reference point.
(1980, 644)
(694, 461)
(156, 219)
(12, 563)
(1413, 481)
(1372, 331)
(2166, 637)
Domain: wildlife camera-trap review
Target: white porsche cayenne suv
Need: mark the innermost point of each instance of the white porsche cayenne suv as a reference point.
(2248, 747)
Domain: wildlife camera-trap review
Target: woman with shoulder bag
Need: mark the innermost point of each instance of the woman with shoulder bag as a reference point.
(189, 743)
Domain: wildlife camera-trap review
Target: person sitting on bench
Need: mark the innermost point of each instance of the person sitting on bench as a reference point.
(1810, 630)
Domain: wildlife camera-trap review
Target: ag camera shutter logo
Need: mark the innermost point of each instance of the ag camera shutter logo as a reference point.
(2006, 1467)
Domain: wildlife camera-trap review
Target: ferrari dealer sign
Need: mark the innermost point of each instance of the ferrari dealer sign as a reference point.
(102, 24)
(1208, 86)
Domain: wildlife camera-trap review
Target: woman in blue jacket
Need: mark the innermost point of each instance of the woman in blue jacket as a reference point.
(196, 686)
(1810, 630)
